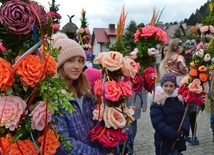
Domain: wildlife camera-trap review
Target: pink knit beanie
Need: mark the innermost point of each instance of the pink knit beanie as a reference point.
(93, 75)
(70, 48)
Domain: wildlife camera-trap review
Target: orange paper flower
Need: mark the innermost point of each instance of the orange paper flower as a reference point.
(25, 146)
(51, 143)
(193, 72)
(31, 70)
(50, 64)
(6, 75)
(203, 77)
(6, 144)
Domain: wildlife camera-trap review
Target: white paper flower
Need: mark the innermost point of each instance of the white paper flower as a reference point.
(207, 57)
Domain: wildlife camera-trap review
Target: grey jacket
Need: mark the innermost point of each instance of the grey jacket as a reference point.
(140, 102)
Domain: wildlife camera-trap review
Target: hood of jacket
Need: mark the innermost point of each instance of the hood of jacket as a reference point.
(161, 96)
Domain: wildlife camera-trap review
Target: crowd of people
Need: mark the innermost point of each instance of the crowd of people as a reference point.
(167, 110)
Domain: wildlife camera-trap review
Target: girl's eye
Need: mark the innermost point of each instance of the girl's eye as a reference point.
(71, 60)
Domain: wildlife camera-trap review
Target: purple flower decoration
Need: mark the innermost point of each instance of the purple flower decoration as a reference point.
(18, 16)
(41, 12)
(88, 55)
(54, 15)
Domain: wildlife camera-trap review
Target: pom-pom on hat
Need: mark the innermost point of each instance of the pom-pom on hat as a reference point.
(168, 77)
(70, 48)
(93, 75)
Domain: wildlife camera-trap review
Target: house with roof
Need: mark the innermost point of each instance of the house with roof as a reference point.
(101, 36)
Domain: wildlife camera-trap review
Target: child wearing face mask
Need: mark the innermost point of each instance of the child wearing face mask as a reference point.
(174, 62)
(166, 113)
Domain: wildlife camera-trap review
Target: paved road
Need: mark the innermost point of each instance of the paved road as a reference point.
(144, 138)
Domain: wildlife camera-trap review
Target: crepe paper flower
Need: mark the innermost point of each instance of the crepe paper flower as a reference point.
(204, 29)
(43, 16)
(18, 16)
(89, 54)
(11, 109)
(98, 88)
(112, 91)
(31, 70)
(56, 26)
(53, 14)
(111, 137)
(50, 64)
(207, 57)
(202, 68)
(182, 89)
(26, 146)
(200, 99)
(133, 54)
(211, 28)
(192, 64)
(98, 112)
(126, 88)
(38, 116)
(193, 72)
(51, 142)
(207, 29)
(203, 77)
(149, 31)
(153, 51)
(111, 60)
(195, 86)
(189, 96)
(6, 144)
(200, 53)
(108, 137)
(2, 48)
(186, 79)
(150, 76)
(129, 67)
(114, 118)
(6, 75)
(137, 82)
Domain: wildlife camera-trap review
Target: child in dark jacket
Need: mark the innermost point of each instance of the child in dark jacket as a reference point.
(166, 112)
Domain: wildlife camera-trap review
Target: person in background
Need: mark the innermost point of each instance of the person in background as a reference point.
(212, 117)
(164, 50)
(93, 75)
(75, 126)
(138, 102)
(166, 113)
(173, 61)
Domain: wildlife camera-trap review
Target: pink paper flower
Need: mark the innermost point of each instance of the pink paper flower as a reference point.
(38, 116)
(112, 60)
(126, 88)
(112, 91)
(56, 26)
(133, 54)
(2, 48)
(98, 88)
(114, 118)
(195, 86)
(129, 67)
(98, 112)
(11, 109)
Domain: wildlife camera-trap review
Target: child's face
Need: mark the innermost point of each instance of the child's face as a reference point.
(168, 87)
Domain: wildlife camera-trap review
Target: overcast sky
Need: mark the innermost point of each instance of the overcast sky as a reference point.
(100, 13)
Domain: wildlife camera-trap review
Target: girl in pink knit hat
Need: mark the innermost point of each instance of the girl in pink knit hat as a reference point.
(75, 126)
